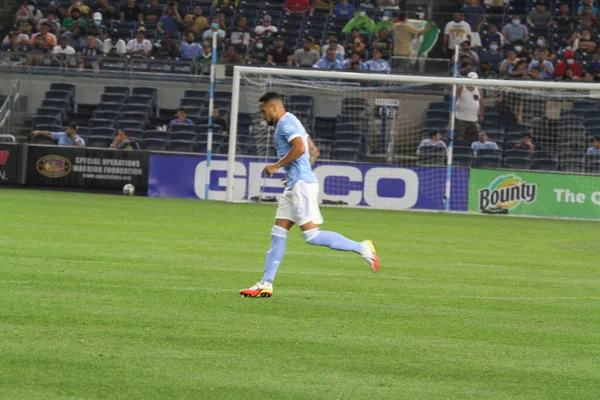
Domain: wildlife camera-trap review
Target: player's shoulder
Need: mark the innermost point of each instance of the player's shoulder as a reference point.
(289, 124)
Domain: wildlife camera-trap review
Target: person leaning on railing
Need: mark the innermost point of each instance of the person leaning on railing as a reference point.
(67, 138)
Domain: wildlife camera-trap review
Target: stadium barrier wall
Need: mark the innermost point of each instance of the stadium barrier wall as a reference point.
(9, 163)
(534, 193)
(86, 168)
(396, 188)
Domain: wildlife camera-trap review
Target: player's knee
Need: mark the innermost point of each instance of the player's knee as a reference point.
(310, 235)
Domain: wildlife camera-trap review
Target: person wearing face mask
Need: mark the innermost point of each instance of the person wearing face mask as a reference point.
(344, 9)
(455, 32)
(568, 61)
(53, 24)
(386, 22)
(258, 54)
(522, 53)
(492, 34)
(214, 27)
(541, 62)
(493, 56)
(297, 6)
(322, 6)
(361, 21)
(515, 30)
(98, 28)
(27, 17)
(587, 3)
(475, 14)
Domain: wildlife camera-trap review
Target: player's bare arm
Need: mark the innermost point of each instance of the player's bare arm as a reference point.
(296, 150)
(42, 133)
(313, 150)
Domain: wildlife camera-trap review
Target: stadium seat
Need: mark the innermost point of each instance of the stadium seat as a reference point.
(102, 114)
(35, 121)
(346, 154)
(431, 155)
(50, 112)
(183, 136)
(185, 146)
(100, 123)
(518, 154)
(107, 132)
(544, 164)
(435, 124)
(156, 135)
(193, 102)
(462, 160)
(135, 116)
(60, 104)
(50, 128)
(440, 106)
(123, 90)
(182, 128)
(489, 153)
(141, 108)
(542, 154)
(66, 87)
(153, 144)
(140, 99)
(437, 114)
(585, 104)
(572, 166)
(109, 107)
(113, 98)
(199, 147)
(59, 95)
(487, 162)
(517, 162)
(39, 139)
(196, 94)
(127, 125)
(98, 141)
(146, 91)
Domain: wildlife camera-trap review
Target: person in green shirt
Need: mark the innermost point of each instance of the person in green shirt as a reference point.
(361, 21)
(386, 23)
(75, 26)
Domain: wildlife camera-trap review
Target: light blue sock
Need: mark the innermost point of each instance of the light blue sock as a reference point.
(275, 253)
(332, 240)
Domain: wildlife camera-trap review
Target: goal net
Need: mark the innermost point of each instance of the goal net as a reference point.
(397, 142)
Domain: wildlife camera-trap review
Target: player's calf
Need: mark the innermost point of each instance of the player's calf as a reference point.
(332, 240)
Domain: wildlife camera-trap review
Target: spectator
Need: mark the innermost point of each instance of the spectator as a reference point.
(76, 27)
(306, 56)
(535, 74)
(367, 5)
(595, 147)
(175, 5)
(360, 21)
(391, 5)
(474, 14)
(568, 75)
(541, 42)
(181, 118)
(114, 46)
(465, 66)
(20, 37)
(525, 144)
(354, 63)
(486, 71)
(492, 36)
(329, 61)
(357, 45)
(37, 51)
(296, 6)
(52, 22)
(316, 47)
(539, 17)
(333, 43)
(122, 142)
(13, 44)
(455, 32)
(67, 138)
(435, 140)
(195, 22)
(222, 22)
(515, 30)
(587, 3)
(280, 53)
(383, 42)
(108, 12)
(465, 50)
(89, 54)
(588, 14)
(240, 35)
(27, 17)
(189, 49)
(56, 7)
(496, 3)
(98, 29)
(231, 56)
(220, 121)
(63, 47)
(154, 12)
(470, 110)
(322, 6)
(343, 9)
(493, 56)
(258, 54)
(403, 33)
(541, 62)
(522, 53)
(266, 30)
(519, 71)
(84, 10)
(140, 46)
(227, 7)
(564, 21)
(386, 23)
(508, 65)
(568, 61)
(483, 143)
(355, 34)
(204, 60)
(587, 42)
(214, 27)
(377, 64)
(48, 39)
(131, 12)
(170, 21)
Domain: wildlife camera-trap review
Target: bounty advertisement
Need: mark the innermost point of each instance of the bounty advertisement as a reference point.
(351, 184)
(535, 194)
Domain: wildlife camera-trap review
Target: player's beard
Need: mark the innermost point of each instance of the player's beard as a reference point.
(271, 123)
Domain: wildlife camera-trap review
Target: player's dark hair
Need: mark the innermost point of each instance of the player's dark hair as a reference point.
(433, 132)
(267, 97)
(596, 138)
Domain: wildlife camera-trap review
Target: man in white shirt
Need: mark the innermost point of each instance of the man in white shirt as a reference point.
(470, 110)
(63, 47)
(483, 143)
(114, 46)
(333, 42)
(456, 32)
(139, 46)
(266, 29)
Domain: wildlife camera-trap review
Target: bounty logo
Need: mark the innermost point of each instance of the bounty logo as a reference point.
(506, 192)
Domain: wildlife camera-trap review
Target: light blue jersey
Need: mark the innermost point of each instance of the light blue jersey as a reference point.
(287, 129)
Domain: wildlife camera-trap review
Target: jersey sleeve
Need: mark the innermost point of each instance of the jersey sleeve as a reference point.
(290, 130)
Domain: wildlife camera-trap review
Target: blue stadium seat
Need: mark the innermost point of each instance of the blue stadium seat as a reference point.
(185, 146)
(182, 128)
(184, 136)
(123, 90)
(98, 141)
(487, 162)
(156, 135)
(106, 132)
(35, 121)
(153, 144)
(517, 162)
(127, 124)
(105, 114)
(544, 164)
(435, 124)
(100, 123)
(431, 155)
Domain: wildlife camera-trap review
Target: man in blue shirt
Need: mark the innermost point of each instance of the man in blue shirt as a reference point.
(435, 139)
(299, 204)
(170, 22)
(329, 61)
(376, 64)
(181, 118)
(493, 56)
(67, 138)
(344, 9)
(483, 143)
(595, 148)
(541, 62)
(587, 3)
(474, 14)
(189, 49)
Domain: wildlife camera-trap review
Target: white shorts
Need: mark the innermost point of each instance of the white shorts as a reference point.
(300, 204)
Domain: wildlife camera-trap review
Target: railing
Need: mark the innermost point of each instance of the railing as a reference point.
(8, 112)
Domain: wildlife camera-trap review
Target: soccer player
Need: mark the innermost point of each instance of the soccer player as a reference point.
(298, 204)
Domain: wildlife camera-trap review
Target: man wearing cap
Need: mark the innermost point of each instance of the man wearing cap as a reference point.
(306, 56)
(53, 24)
(113, 46)
(386, 22)
(98, 28)
(567, 61)
(470, 109)
(266, 29)
(48, 39)
(140, 46)
(63, 48)
(68, 138)
(131, 12)
(403, 33)
(360, 21)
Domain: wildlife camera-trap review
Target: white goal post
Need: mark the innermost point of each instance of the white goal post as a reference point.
(241, 88)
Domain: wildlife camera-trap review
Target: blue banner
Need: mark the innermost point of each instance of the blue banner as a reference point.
(354, 184)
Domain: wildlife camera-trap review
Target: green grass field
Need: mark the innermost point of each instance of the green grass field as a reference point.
(116, 297)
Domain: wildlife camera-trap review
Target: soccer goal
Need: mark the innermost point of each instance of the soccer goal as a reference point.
(389, 141)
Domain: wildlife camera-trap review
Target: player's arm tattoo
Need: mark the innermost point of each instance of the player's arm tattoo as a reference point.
(313, 151)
